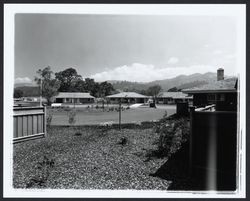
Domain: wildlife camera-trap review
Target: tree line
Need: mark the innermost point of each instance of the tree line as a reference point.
(69, 80)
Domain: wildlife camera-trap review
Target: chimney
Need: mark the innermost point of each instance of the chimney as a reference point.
(220, 74)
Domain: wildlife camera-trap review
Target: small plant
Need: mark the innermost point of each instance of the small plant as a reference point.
(78, 134)
(72, 116)
(72, 121)
(123, 141)
(49, 117)
(105, 126)
(165, 114)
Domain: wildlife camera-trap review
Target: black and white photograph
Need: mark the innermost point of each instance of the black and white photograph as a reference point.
(124, 100)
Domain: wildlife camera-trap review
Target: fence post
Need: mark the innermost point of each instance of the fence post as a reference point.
(44, 122)
(192, 110)
(120, 115)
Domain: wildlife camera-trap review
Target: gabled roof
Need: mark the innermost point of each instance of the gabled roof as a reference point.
(73, 95)
(226, 86)
(174, 95)
(127, 95)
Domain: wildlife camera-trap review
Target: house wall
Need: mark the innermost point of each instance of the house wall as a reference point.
(128, 100)
(173, 101)
(74, 100)
(230, 103)
(200, 100)
(165, 100)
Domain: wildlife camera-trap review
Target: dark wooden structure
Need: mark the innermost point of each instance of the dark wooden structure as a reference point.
(213, 149)
(223, 101)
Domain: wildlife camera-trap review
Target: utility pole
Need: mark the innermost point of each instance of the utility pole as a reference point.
(41, 85)
(120, 114)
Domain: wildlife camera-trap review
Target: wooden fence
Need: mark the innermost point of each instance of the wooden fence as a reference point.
(213, 149)
(29, 123)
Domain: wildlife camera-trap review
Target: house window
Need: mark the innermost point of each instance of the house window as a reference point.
(221, 97)
(211, 97)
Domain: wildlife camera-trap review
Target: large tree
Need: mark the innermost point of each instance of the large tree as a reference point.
(18, 93)
(105, 89)
(154, 91)
(69, 80)
(91, 86)
(48, 85)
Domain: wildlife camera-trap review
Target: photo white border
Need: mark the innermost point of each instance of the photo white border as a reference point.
(236, 10)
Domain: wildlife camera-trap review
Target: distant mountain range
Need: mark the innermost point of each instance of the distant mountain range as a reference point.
(25, 84)
(180, 82)
(29, 90)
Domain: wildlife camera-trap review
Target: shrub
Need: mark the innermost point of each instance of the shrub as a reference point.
(78, 134)
(72, 115)
(172, 134)
(49, 117)
(123, 141)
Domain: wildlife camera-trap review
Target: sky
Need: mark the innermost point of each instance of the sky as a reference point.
(124, 47)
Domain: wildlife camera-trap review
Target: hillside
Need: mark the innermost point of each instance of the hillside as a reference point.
(29, 90)
(181, 82)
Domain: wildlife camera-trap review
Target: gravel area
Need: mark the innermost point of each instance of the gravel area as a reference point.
(96, 159)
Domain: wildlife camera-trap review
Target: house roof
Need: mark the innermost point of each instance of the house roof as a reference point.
(127, 95)
(174, 95)
(73, 95)
(226, 85)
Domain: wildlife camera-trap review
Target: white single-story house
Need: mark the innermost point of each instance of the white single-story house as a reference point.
(174, 98)
(127, 97)
(74, 98)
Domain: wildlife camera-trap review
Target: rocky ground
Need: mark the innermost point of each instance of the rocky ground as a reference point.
(89, 158)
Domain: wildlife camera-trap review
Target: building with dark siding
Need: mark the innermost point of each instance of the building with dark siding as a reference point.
(222, 93)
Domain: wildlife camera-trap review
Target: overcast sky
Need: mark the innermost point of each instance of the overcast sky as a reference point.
(124, 47)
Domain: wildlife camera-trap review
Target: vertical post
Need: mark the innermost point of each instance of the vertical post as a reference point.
(22, 126)
(192, 110)
(44, 122)
(103, 104)
(41, 93)
(120, 114)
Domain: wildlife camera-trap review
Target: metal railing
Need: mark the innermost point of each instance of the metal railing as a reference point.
(29, 123)
(207, 108)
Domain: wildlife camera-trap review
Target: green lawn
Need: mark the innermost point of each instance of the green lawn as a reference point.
(92, 116)
(93, 160)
